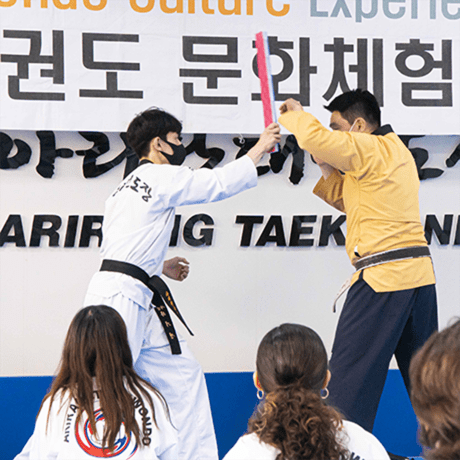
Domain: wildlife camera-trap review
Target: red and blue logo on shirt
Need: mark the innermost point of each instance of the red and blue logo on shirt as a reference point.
(91, 445)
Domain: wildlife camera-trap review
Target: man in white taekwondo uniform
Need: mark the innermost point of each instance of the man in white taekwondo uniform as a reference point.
(138, 221)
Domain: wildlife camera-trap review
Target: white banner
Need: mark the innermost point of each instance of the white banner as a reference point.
(91, 65)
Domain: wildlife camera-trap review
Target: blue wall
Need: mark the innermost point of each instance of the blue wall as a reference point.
(233, 399)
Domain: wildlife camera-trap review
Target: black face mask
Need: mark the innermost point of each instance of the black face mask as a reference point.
(178, 155)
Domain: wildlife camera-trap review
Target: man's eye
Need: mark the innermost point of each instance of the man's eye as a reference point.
(179, 137)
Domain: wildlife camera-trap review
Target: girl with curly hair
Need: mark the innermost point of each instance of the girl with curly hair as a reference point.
(98, 407)
(293, 422)
(435, 393)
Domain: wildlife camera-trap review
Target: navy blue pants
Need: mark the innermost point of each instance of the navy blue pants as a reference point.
(372, 327)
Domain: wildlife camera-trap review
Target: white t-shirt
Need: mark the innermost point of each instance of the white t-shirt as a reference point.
(139, 217)
(361, 444)
(64, 440)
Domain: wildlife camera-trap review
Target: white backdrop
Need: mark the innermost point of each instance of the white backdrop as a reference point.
(233, 295)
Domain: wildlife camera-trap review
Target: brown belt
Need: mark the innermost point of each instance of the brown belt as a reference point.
(389, 256)
(379, 258)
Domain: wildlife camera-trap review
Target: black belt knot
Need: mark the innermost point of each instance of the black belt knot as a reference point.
(162, 297)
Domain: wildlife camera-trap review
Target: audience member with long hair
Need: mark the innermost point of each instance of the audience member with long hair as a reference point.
(293, 422)
(435, 393)
(97, 405)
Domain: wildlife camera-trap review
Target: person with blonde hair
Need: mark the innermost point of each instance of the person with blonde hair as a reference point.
(293, 422)
(97, 405)
(435, 393)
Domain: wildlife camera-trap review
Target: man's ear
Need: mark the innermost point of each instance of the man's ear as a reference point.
(155, 144)
(361, 125)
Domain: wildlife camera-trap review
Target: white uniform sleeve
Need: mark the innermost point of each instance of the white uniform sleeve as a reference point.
(363, 444)
(248, 447)
(25, 453)
(41, 445)
(207, 185)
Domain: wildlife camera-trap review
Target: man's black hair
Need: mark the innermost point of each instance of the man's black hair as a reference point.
(357, 103)
(148, 125)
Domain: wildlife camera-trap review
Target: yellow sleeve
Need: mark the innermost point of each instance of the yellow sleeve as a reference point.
(330, 190)
(345, 151)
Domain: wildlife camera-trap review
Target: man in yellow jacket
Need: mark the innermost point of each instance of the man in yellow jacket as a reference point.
(369, 174)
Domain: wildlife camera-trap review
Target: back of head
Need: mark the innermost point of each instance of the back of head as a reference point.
(357, 103)
(435, 393)
(96, 345)
(292, 368)
(150, 124)
(97, 356)
(291, 354)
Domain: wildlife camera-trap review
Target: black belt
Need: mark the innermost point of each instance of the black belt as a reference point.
(389, 256)
(162, 297)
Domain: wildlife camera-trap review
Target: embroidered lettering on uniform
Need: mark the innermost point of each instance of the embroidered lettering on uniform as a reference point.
(73, 408)
(146, 423)
(68, 423)
(137, 403)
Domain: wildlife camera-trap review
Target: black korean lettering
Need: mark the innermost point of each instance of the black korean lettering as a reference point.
(49, 153)
(198, 145)
(339, 78)
(111, 68)
(278, 159)
(23, 61)
(305, 70)
(410, 90)
(123, 185)
(135, 183)
(421, 157)
(22, 156)
(148, 192)
(101, 145)
(132, 160)
(454, 157)
(212, 76)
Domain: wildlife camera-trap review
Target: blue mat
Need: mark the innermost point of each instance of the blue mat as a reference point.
(233, 399)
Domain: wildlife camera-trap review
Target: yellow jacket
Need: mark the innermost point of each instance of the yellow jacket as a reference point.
(377, 188)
